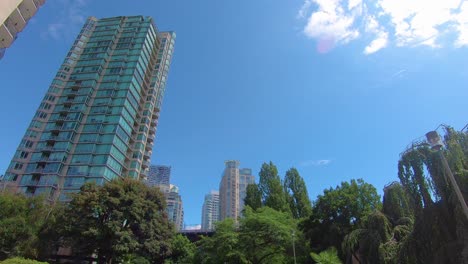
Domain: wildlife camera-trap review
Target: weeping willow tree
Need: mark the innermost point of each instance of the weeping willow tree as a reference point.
(440, 233)
(363, 245)
(396, 203)
(421, 219)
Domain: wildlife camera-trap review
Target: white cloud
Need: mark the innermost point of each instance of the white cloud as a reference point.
(461, 25)
(377, 44)
(402, 22)
(304, 9)
(381, 39)
(331, 21)
(309, 163)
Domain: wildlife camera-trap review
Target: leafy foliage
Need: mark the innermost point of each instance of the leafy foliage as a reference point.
(440, 233)
(266, 235)
(297, 195)
(222, 247)
(253, 197)
(328, 256)
(183, 250)
(21, 218)
(396, 203)
(271, 188)
(21, 261)
(263, 236)
(120, 218)
(363, 243)
(338, 212)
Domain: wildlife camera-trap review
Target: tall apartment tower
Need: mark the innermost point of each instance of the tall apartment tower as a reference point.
(232, 190)
(158, 175)
(98, 119)
(210, 211)
(14, 15)
(174, 206)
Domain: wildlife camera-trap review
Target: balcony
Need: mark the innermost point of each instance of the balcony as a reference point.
(52, 138)
(16, 21)
(147, 154)
(7, 37)
(145, 164)
(28, 8)
(56, 128)
(43, 160)
(38, 170)
(31, 183)
(152, 130)
(47, 148)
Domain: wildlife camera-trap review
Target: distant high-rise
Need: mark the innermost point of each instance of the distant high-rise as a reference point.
(98, 119)
(232, 190)
(14, 15)
(158, 175)
(210, 210)
(174, 209)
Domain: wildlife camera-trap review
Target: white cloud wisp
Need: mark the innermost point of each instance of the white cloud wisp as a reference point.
(402, 22)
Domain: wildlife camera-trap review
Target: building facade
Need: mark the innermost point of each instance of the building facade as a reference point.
(210, 211)
(14, 15)
(159, 175)
(98, 119)
(174, 205)
(232, 190)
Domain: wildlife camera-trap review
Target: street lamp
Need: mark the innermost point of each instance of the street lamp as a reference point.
(436, 144)
(294, 247)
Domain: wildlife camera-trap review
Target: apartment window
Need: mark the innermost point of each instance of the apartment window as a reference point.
(81, 159)
(26, 143)
(84, 148)
(36, 124)
(24, 154)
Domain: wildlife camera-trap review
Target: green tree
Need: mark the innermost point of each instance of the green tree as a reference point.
(396, 203)
(267, 234)
(120, 218)
(338, 212)
(21, 261)
(21, 218)
(363, 243)
(328, 256)
(222, 247)
(183, 250)
(440, 232)
(297, 195)
(253, 197)
(270, 186)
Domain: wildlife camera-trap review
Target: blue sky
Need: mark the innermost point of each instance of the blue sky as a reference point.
(336, 89)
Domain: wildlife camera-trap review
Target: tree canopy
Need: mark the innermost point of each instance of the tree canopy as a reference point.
(297, 195)
(271, 188)
(338, 211)
(253, 197)
(21, 218)
(122, 217)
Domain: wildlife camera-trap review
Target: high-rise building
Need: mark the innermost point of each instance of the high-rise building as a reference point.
(14, 15)
(98, 119)
(158, 175)
(210, 211)
(174, 206)
(232, 190)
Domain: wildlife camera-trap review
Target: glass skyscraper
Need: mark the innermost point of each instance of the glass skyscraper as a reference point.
(210, 211)
(98, 119)
(159, 175)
